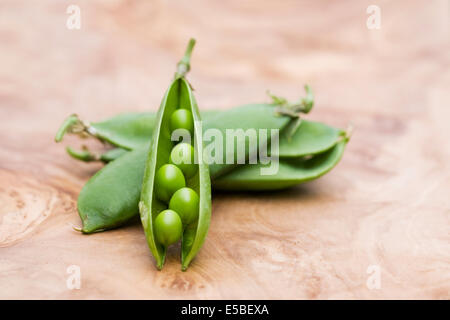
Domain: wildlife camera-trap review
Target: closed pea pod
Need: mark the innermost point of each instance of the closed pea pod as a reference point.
(310, 138)
(178, 96)
(128, 131)
(110, 198)
(290, 172)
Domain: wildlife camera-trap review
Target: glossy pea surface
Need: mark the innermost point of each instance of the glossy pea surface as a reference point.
(168, 227)
(186, 203)
(182, 155)
(182, 119)
(168, 179)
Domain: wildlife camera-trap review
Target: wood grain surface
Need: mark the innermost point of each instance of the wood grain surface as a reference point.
(386, 204)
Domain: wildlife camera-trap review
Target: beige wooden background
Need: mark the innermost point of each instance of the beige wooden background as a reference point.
(386, 204)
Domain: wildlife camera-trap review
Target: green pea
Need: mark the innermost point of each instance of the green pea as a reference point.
(186, 202)
(182, 156)
(169, 178)
(182, 119)
(168, 227)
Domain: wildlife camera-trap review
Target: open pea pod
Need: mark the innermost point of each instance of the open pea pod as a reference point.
(178, 96)
(290, 172)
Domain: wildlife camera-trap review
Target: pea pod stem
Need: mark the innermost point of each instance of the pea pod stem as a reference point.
(284, 107)
(73, 124)
(184, 65)
(69, 125)
(304, 105)
(348, 133)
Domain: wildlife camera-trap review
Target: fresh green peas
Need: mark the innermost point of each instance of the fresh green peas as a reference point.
(168, 227)
(182, 119)
(186, 203)
(169, 178)
(182, 155)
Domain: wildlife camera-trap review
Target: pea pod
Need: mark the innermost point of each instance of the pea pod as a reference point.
(178, 96)
(291, 172)
(254, 116)
(128, 131)
(310, 138)
(111, 196)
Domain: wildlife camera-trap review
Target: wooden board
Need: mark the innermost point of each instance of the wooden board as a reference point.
(385, 205)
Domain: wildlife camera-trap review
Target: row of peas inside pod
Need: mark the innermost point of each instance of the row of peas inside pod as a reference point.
(170, 184)
(175, 201)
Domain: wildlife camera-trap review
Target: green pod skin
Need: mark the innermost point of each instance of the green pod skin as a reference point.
(128, 131)
(291, 172)
(179, 95)
(254, 116)
(309, 139)
(111, 196)
(112, 154)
